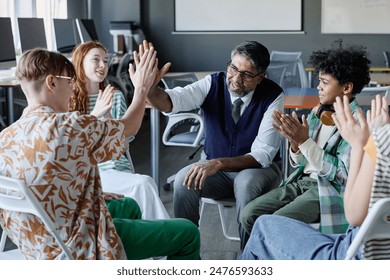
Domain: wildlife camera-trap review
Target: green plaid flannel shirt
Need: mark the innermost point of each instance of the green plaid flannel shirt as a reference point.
(332, 178)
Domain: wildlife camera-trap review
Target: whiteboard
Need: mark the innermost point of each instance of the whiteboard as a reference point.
(355, 16)
(238, 15)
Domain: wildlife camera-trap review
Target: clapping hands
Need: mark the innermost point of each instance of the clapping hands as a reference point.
(104, 102)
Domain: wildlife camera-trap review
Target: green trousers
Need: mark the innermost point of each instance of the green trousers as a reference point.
(178, 239)
(298, 200)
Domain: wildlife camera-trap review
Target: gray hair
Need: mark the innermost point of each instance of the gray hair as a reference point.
(255, 52)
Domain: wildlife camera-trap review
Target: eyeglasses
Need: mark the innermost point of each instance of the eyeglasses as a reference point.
(245, 76)
(71, 80)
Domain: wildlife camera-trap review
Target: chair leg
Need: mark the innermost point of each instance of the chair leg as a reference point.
(221, 209)
(2, 240)
(201, 213)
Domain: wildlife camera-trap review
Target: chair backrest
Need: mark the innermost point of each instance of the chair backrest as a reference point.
(277, 73)
(179, 80)
(295, 75)
(387, 58)
(123, 76)
(284, 56)
(368, 93)
(375, 226)
(16, 196)
(184, 128)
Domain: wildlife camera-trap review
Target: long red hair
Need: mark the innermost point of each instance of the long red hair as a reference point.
(80, 100)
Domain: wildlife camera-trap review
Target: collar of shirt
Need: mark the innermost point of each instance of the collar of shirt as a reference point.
(246, 98)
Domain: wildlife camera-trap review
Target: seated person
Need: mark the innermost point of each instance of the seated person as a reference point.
(56, 152)
(314, 191)
(241, 146)
(281, 238)
(90, 60)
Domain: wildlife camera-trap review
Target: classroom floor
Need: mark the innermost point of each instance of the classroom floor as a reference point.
(214, 246)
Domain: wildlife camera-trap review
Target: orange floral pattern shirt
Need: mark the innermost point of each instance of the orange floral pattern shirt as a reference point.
(56, 154)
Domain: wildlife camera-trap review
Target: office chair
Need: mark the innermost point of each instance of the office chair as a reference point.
(184, 129)
(368, 93)
(295, 75)
(16, 196)
(376, 226)
(284, 56)
(122, 74)
(277, 73)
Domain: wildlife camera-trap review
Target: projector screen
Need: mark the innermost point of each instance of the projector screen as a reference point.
(238, 16)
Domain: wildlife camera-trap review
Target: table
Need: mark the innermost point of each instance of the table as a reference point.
(382, 73)
(380, 78)
(300, 98)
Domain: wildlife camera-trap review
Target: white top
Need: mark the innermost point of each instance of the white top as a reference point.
(267, 142)
(313, 151)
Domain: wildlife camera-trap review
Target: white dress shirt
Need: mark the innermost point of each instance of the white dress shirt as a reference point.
(267, 142)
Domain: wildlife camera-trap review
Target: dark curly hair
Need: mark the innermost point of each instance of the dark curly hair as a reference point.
(345, 63)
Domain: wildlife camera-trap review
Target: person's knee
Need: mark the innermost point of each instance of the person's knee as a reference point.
(247, 219)
(148, 182)
(179, 178)
(180, 191)
(267, 225)
(125, 207)
(189, 229)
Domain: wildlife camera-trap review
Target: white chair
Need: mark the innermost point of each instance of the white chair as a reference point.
(277, 73)
(375, 226)
(16, 196)
(284, 56)
(368, 93)
(387, 58)
(222, 205)
(295, 75)
(184, 129)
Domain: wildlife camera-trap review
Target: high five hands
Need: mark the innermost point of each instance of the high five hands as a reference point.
(146, 46)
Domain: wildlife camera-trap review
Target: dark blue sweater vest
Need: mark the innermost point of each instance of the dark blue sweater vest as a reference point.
(224, 138)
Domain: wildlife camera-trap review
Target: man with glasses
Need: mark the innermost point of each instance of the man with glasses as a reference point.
(241, 146)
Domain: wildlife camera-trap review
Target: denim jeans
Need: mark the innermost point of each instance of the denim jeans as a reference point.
(276, 237)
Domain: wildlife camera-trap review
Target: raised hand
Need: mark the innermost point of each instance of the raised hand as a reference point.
(379, 113)
(354, 132)
(146, 70)
(104, 102)
(160, 73)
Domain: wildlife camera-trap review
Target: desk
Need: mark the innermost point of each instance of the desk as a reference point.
(300, 98)
(374, 71)
(380, 78)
